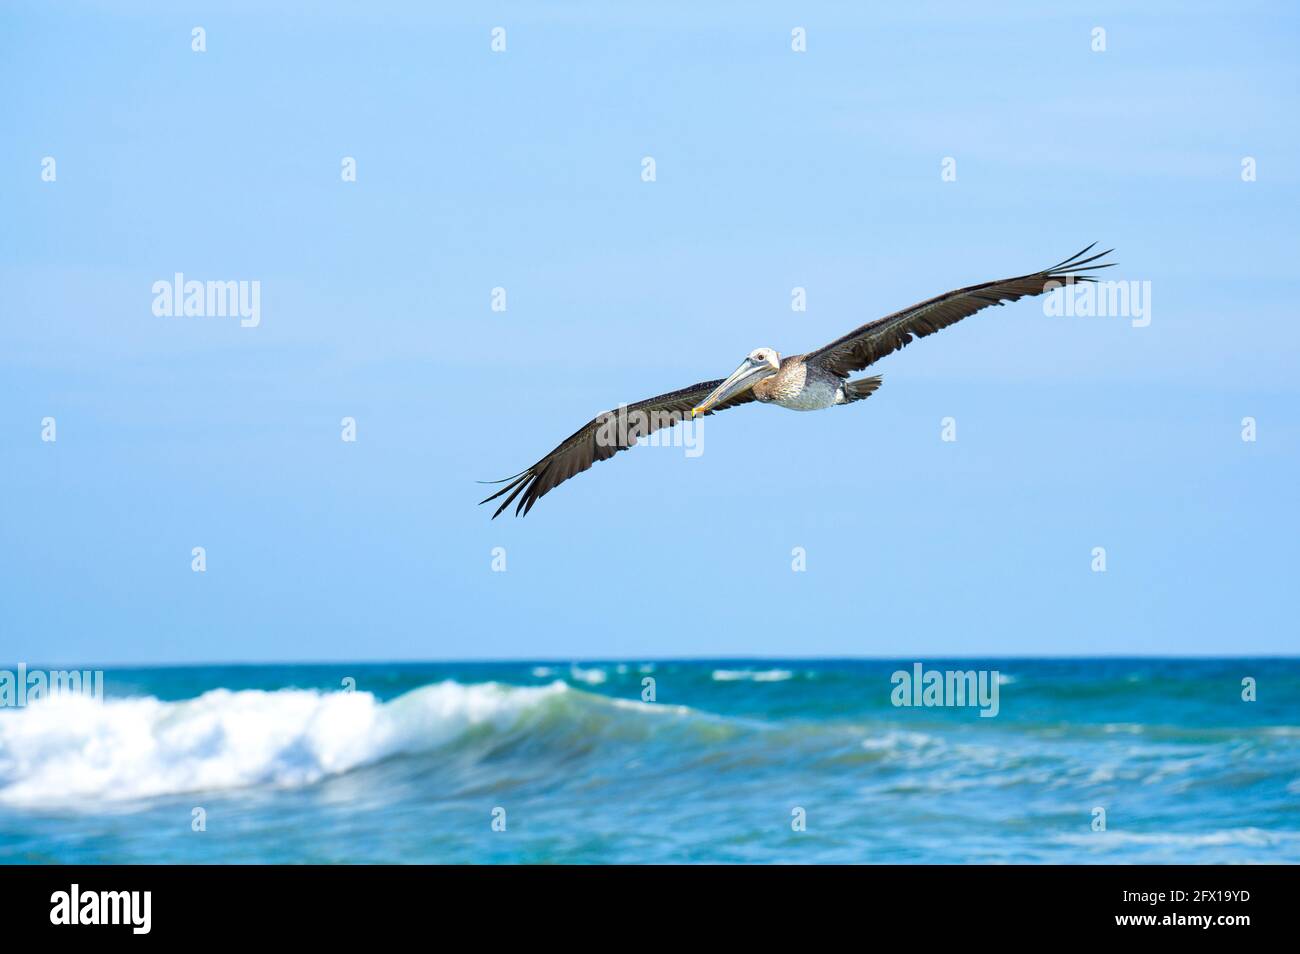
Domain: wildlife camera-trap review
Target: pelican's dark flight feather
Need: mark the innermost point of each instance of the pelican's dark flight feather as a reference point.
(582, 449)
(864, 347)
(805, 382)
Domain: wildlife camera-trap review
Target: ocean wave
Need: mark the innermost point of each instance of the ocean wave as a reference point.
(754, 675)
(73, 748)
(592, 677)
(898, 740)
(1255, 837)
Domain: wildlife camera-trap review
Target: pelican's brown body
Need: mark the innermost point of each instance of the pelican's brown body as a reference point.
(804, 387)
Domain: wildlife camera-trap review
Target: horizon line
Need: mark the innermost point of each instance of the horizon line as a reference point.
(614, 660)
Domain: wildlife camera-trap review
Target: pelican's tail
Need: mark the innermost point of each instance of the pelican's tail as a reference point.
(860, 389)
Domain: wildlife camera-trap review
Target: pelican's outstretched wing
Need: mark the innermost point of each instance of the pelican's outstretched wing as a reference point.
(602, 438)
(867, 345)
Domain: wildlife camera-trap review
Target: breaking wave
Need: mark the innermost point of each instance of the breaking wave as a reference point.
(75, 748)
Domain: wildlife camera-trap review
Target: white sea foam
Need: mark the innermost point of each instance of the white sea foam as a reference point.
(755, 675)
(1123, 728)
(1229, 836)
(897, 740)
(592, 677)
(70, 749)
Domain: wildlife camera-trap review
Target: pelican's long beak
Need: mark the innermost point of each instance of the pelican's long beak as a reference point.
(742, 379)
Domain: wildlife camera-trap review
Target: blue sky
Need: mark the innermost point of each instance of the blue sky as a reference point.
(522, 169)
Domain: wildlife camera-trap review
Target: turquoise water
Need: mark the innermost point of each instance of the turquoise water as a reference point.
(283, 765)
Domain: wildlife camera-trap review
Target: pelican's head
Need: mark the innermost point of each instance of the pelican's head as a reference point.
(761, 363)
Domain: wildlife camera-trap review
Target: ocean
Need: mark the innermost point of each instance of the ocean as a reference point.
(733, 761)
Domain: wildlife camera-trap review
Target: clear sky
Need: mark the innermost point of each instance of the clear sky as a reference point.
(523, 170)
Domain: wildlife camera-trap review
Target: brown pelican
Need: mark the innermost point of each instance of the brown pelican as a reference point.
(801, 382)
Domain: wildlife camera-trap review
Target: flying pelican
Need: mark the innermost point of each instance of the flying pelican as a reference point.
(801, 382)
